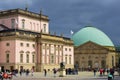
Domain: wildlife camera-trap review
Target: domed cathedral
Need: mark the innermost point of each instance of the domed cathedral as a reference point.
(93, 49)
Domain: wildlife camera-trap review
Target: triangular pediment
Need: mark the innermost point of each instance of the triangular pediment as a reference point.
(3, 27)
(90, 46)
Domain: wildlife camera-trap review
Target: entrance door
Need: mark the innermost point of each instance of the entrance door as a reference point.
(21, 68)
(2, 68)
(11, 68)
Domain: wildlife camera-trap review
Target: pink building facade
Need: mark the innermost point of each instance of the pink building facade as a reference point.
(25, 42)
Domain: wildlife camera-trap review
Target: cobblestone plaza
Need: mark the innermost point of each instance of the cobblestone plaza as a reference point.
(50, 76)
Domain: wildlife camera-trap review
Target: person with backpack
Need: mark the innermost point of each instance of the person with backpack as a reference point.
(110, 76)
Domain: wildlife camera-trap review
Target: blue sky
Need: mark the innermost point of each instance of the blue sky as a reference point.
(67, 15)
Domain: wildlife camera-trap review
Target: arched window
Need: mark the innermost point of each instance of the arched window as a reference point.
(21, 51)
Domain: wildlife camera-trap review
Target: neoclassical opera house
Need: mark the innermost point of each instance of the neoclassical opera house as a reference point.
(26, 42)
(93, 49)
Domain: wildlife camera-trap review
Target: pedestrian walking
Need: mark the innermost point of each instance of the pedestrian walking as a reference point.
(27, 72)
(118, 71)
(45, 72)
(110, 76)
(112, 72)
(101, 72)
(108, 71)
(54, 72)
(94, 72)
(32, 71)
(104, 72)
(21, 72)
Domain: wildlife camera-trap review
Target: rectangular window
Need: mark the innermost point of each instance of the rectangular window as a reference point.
(21, 58)
(69, 59)
(7, 44)
(12, 23)
(65, 49)
(7, 58)
(52, 59)
(33, 58)
(23, 23)
(33, 45)
(21, 44)
(27, 45)
(65, 59)
(27, 58)
(69, 49)
(44, 26)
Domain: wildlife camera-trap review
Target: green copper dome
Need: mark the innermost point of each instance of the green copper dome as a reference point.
(91, 34)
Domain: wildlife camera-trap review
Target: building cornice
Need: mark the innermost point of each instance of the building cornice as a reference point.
(56, 39)
(23, 12)
(33, 36)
